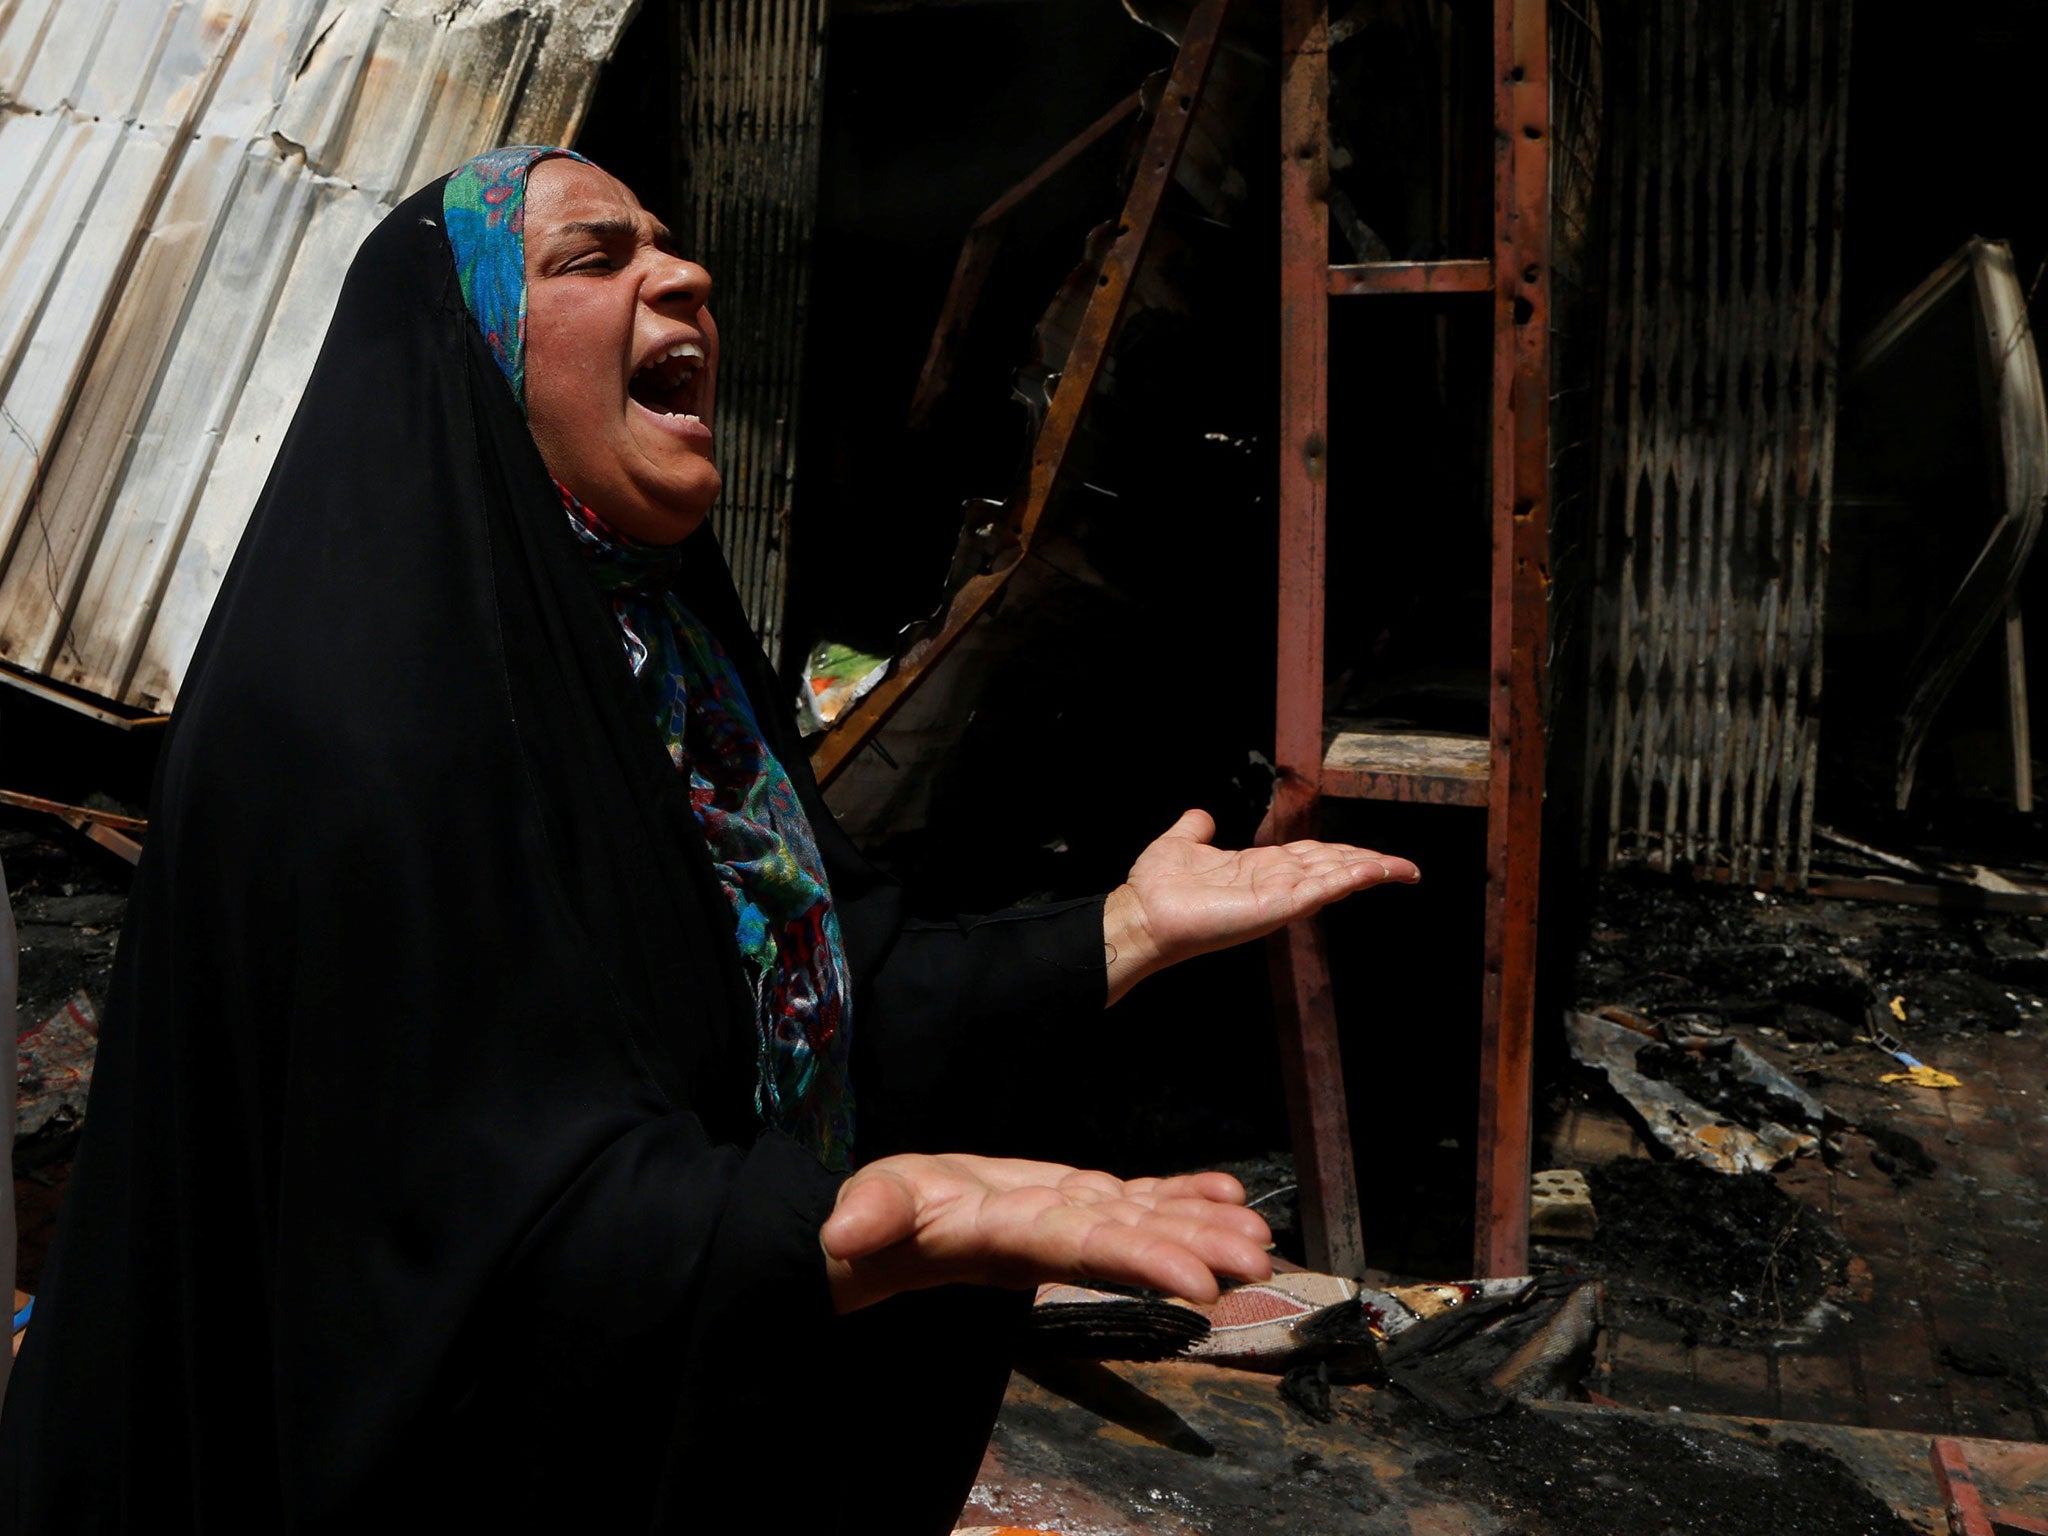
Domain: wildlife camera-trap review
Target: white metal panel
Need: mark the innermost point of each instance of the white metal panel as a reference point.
(175, 447)
(83, 478)
(54, 314)
(340, 218)
(21, 38)
(183, 184)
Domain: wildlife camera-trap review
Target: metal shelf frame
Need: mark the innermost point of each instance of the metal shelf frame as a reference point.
(1516, 274)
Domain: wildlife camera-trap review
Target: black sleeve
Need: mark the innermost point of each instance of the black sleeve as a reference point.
(960, 1025)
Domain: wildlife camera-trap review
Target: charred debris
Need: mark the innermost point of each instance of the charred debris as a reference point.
(1794, 922)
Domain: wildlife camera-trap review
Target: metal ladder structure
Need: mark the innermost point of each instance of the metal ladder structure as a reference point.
(1502, 772)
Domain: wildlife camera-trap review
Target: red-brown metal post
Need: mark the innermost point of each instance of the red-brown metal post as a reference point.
(1520, 589)
(1961, 1500)
(1305, 1013)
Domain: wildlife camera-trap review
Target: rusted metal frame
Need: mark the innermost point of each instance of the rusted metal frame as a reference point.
(1745, 328)
(1784, 598)
(1679, 634)
(1827, 103)
(1625, 423)
(1661, 340)
(977, 256)
(1305, 1012)
(1304, 412)
(1611, 600)
(72, 813)
(106, 828)
(1463, 275)
(753, 124)
(1960, 1500)
(1521, 579)
(1170, 124)
(29, 683)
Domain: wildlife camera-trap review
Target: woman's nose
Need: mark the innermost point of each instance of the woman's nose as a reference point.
(682, 283)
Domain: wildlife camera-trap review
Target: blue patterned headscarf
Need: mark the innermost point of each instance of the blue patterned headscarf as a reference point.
(761, 842)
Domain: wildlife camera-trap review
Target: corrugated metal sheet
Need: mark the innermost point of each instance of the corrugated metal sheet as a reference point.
(182, 186)
(756, 76)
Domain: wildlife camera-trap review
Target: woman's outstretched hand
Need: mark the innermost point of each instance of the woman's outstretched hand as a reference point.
(908, 1222)
(1185, 898)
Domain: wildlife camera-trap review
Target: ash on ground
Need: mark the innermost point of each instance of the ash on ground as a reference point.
(68, 906)
(69, 899)
(1552, 1474)
(1818, 972)
(1708, 1257)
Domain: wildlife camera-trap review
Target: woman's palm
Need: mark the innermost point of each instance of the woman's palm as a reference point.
(1191, 897)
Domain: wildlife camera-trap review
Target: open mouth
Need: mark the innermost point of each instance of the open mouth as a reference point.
(668, 384)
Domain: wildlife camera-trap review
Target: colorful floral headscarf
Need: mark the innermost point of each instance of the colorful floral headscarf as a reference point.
(761, 841)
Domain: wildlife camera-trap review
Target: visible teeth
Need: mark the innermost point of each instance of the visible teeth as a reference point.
(687, 349)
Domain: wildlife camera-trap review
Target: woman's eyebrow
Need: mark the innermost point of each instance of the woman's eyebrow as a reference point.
(602, 229)
(609, 230)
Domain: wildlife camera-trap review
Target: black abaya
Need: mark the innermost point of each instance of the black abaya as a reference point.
(421, 1179)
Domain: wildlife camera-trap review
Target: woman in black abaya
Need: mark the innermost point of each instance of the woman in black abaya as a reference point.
(471, 1130)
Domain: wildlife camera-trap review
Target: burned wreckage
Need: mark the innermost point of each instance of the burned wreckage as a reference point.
(1587, 448)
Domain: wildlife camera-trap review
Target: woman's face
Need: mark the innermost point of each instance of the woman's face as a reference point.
(621, 355)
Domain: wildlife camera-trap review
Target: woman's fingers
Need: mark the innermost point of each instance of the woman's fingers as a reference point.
(1321, 858)
(1234, 1219)
(1116, 1240)
(1184, 1257)
(877, 1208)
(1196, 826)
(1209, 1185)
(913, 1221)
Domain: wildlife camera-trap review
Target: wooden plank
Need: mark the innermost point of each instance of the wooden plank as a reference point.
(1473, 275)
(1420, 767)
(1156, 166)
(1520, 627)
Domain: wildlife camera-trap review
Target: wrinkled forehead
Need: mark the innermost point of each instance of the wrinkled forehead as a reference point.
(571, 198)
